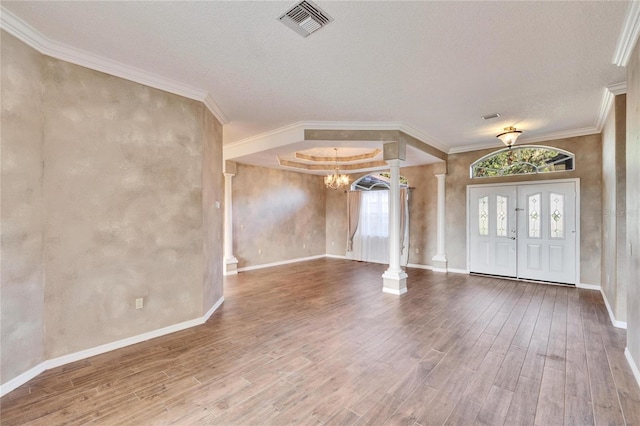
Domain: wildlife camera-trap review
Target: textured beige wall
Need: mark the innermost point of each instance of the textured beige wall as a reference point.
(21, 280)
(588, 168)
(277, 215)
(422, 213)
(123, 195)
(614, 257)
(212, 209)
(633, 204)
(104, 199)
(336, 221)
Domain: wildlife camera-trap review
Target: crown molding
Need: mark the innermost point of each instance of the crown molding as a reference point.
(618, 88)
(628, 35)
(27, 34)
(534, 139)
(605, 106)
(295, 133)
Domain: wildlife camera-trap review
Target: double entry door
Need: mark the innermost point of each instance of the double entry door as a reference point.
(525, 231)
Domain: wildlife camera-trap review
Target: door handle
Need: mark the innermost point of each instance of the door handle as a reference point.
(513, 238)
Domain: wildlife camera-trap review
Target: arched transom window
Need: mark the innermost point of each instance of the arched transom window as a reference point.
(376, 181)
(523, 160)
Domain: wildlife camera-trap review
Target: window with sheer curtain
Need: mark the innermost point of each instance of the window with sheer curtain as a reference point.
(371, 239)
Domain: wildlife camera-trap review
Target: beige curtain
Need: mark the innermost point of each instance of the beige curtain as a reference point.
(403, 216)
(353, 216)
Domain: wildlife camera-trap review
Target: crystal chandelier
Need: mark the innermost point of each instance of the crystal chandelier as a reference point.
(336, 180)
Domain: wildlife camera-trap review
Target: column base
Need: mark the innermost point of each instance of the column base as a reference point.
(439, 263)
(394, 282)
(230, 266)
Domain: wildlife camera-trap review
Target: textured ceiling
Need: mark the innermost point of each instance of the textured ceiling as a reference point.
(435, 66)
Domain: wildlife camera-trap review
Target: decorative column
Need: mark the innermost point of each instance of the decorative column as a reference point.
(230, 261)
(440, 259)
(394, 280)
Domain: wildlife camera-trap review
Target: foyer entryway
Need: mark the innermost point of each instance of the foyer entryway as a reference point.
(526, 230)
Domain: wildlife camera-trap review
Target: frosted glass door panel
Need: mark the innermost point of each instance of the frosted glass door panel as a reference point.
(492, 244)
(547, 235)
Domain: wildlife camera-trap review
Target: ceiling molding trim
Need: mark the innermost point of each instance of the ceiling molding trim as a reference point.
(605, 106)
(535, 139)
(413, 132)
(628, 35)
(274, 138)
(27, 34)
(618, 89)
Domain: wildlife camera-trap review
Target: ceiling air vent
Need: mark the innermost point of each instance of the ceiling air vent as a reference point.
(305, 17)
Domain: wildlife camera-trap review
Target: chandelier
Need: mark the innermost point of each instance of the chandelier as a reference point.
(336, 180)
(509, 136)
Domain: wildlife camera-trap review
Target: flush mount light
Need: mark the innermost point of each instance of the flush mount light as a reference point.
(509, 136)
(305, 17)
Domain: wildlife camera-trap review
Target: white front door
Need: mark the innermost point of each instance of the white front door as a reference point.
(525, 231)
(547, 232)
(492, 230)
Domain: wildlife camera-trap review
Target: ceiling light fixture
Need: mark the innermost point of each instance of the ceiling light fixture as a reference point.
(509, 136)
(336, 180)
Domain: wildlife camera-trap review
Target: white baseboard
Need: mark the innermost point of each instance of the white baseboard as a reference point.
(589, 286)
(444, 270)
(458, 271)
(23, 378)
(632, 364)
(336, 256)
(393, 291)
(612, 317)
(283, 262)
(419, 266)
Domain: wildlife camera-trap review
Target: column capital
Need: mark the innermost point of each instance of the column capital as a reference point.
(228, 174)
(440, 175)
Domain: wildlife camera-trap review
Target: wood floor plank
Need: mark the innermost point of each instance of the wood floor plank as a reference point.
(550, 409)
(495, 407)
(318, 343)
(522, 410)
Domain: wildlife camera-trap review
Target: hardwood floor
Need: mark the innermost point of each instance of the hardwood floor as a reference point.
(319, 343)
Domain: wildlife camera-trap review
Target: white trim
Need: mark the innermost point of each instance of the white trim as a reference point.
(43, 44)
(628, 35)
(293, 133)
(394, 291)
(283, 262)
(443, 270)
(612, 317)
(23, 378)
(605, 106)
(12, 384)
(632, 364)
(214, 308)
(337, 256)
(419, 266)
(585, 131)
(589, 286)
(618, 88)
(458, 271)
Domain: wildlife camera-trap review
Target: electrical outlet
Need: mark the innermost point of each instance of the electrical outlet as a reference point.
(417, 251)
(259, 251)
(304, 246)
(333, 243)
(139, 303)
